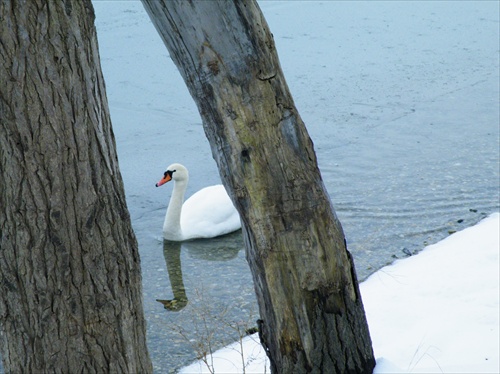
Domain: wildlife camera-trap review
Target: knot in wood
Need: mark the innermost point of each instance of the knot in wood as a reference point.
(213, 65)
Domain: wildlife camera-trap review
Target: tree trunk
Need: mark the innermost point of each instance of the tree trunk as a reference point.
(312, 314)
(70, 296)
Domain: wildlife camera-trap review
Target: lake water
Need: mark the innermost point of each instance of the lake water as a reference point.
(401, 100)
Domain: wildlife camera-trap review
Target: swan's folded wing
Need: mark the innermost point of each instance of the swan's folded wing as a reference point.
(209, 213)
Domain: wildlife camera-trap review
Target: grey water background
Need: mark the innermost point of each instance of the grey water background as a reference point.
(401, 100)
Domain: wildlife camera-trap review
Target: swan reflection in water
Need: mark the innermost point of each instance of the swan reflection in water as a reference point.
(223, 248)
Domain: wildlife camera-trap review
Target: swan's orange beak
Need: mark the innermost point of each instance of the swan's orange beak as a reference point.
(166, 178)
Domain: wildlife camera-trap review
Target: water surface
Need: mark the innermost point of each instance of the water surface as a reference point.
(401, 101)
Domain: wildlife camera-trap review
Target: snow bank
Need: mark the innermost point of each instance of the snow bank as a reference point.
(434, 312)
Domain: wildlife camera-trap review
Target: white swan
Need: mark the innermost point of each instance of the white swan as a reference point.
(207, 214)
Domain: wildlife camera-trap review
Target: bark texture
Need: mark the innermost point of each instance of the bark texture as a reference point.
(313, 319)
(70, 282)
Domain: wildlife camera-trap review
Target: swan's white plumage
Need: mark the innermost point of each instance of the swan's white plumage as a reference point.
(207, 214)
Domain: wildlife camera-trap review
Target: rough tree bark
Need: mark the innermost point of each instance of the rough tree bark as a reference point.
(70, 282)
(312, 314)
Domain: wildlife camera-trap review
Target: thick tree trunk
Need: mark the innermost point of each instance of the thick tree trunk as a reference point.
(70, 283)
(312, 314)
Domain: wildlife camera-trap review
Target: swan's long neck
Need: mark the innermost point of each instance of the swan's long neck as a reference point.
(172, 225)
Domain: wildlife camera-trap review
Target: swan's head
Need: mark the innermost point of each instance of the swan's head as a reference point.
(176, 172)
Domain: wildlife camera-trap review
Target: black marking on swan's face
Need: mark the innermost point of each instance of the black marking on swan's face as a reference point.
(167, 176)
(169, 173)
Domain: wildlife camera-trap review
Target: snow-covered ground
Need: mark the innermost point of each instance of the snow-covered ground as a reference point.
(436, 312)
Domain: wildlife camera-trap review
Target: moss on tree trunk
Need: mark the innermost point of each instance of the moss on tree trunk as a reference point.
(312, 316)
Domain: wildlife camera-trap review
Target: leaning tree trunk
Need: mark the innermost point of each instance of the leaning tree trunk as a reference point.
(312, 314)
(70, 282)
